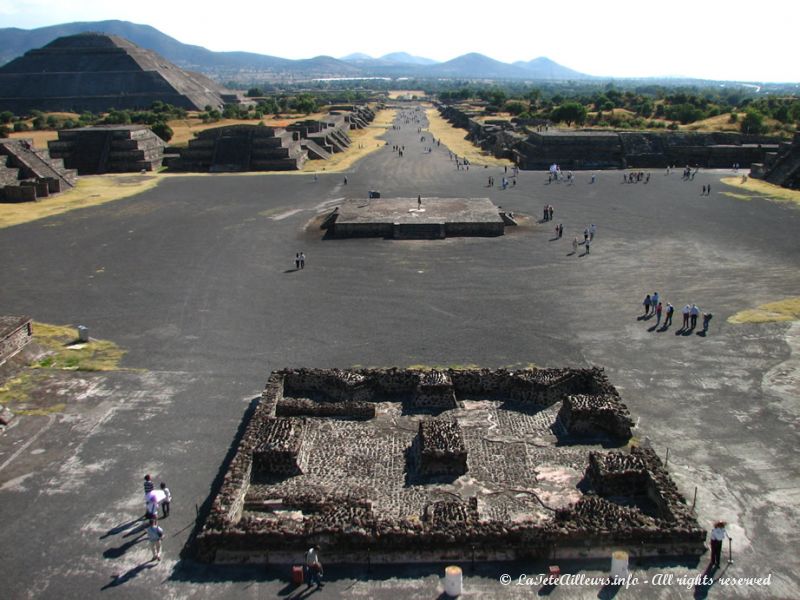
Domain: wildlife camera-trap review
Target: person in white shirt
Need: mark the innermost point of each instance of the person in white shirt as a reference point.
(313, 566)
(718, 535)
(694, 312)
(686, 310)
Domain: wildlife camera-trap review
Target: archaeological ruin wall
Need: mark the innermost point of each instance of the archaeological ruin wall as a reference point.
(108, 149)
(388, 484)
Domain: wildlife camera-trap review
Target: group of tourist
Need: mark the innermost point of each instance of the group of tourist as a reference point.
(636, 177)
(654, 306)
(153, 499)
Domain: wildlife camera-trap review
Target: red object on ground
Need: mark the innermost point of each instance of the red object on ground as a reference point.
(297, 574)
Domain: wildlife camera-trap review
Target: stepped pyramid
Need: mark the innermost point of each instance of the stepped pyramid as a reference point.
(239, 148)
(28, 173)
(97, 72)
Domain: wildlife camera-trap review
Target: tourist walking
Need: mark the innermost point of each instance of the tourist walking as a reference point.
(668, 318)
(694, 312)
(313, 566)
(654, 300)
(297, 261)
(588, 246)
(686, 310)
(646, 304)
(718, 535)
(154, 535)
(302, 260)
(659, 308)
(585, 236)
(166, 501)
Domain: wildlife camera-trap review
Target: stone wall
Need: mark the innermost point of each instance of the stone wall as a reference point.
(538, 148)
(782, 166)
(15, 332)
(304, 407)
(590, 415)
(434, 390)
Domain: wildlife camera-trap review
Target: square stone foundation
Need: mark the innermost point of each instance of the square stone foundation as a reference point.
(406, 218)
(391, 485)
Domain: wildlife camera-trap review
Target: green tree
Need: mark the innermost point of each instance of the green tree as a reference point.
(6, 116)
(515, 107)
(162, 130)
(753, 122)
(569, 113)
(305, 103)
(5, 130)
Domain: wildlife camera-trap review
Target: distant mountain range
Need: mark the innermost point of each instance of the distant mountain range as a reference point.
(249, 67)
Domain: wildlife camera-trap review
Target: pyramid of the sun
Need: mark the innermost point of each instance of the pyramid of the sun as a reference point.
(97, 72)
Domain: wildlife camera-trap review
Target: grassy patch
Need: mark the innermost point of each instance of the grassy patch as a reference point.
(455, 139)
(18, 390)
(756, 188)
(773, 312)
(89, 191)
(64, 354)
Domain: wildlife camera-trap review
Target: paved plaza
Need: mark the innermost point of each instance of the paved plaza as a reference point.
(196, 280)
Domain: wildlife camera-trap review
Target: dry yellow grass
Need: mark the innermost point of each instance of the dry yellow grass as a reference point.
(757, 188)
(455, 139)
(365, 141)
(40, 138)
(773, 312)
(89, 191)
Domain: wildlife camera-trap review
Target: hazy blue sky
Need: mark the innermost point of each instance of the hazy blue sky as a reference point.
(713, 39)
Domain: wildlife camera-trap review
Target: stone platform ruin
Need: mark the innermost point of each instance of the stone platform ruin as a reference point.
(28, 173)
(108, 149)
(503, 465)
(404, 218)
